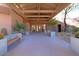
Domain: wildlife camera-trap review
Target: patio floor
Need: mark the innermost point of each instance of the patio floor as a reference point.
(39, 44)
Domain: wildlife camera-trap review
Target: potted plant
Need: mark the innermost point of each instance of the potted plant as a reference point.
(75, 40)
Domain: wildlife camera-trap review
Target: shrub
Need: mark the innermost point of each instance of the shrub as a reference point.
(76, 30)
(53, 22)
(19, 27)
(77, 34)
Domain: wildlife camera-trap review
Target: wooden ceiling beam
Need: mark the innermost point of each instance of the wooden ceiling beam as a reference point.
(38, 16)
(16, 10)
(39, 11)
(59, 8)
(36, 19)
(37, 22)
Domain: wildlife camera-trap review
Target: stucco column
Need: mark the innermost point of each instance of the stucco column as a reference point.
(5, 18)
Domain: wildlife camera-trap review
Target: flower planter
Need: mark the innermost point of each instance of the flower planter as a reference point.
(3, 46)
(13, 40)
(75, 44)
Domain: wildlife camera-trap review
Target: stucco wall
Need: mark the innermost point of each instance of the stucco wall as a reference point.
(5, 18)
(5, 22)
(8, 18)
(14, 17)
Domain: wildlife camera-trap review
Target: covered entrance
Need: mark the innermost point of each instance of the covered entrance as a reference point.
(37, 15)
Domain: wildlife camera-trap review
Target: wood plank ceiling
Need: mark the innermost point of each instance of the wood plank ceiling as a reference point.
(39, 11)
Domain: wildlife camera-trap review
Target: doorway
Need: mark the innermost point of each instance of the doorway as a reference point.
(59, 27)
(38, 27)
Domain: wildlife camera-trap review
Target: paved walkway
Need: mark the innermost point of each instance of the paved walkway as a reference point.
(39, 44)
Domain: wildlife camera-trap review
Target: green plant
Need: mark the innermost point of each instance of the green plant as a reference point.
(75, 30)
(53, 22)
(77, 34)
(19, 27)
(1, 36)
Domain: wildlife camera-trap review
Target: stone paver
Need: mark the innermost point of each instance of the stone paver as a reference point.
(39, 44)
